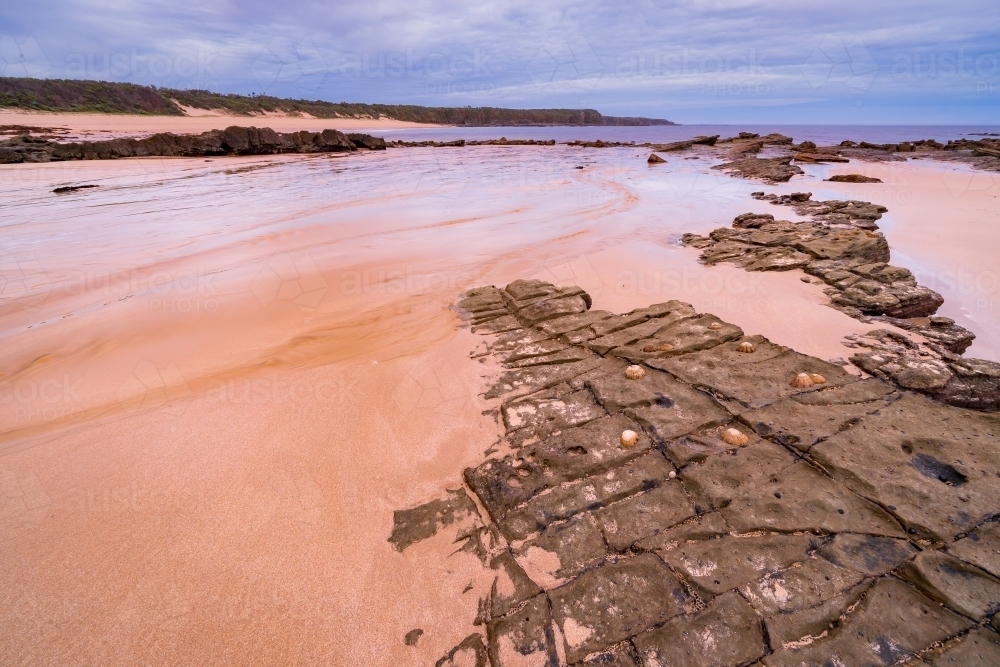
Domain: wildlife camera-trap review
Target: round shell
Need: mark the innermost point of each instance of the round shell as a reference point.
(735, 437)
(635, 372)
(629, 438)
(817, 378)
(714, 325)
(802, 381)
(746, 347)
(672, 475)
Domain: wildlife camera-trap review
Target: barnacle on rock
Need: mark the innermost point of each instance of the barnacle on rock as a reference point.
(746, 347)
(635, 372)
(735, 436)
(629, 438)
(658, 347)
(715, 325)
(817, 378)
(803, 381)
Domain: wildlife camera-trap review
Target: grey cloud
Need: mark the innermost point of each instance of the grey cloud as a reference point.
(711, 61)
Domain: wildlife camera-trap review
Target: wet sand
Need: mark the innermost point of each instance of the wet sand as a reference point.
(220, 378)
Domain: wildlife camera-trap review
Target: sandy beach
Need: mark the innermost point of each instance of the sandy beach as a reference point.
(95, 127)
(227, 374)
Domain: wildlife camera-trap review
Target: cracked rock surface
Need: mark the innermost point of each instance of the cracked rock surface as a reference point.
(852, 522)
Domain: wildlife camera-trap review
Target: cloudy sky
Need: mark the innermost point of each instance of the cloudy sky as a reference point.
(710, 61)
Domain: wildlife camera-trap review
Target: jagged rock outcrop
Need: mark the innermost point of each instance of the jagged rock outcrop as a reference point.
(851, 522)
(836, 213)
(233, 140)
(770, 170)
(853, 262)
(367, 141)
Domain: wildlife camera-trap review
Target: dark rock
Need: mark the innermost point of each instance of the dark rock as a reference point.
(853, 178)
(412, 637)
(233, 140)
(422, 522)
(367, 141)
(655, 159)
(752, 220)
(73, 188)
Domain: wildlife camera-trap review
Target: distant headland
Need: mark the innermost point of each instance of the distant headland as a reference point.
(82, 96)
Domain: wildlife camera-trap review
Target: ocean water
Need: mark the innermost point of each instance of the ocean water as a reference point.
(820, 134)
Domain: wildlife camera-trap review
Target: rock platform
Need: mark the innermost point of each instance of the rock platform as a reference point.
(751, 521)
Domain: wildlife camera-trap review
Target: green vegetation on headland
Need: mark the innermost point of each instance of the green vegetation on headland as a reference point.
(70, 95)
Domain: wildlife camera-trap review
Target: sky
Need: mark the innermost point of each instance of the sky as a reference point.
(844, 62)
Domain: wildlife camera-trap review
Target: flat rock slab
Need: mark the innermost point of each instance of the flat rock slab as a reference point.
(524, 637)
(892, 622)
(728, 562)
(614, 602)
(981, 547)
(736, 473)
(589, 493)
(503, 484)
(979, 648)
(936, 466)
(681, 337)
(800, 425)
(961, 586)
(539, 417)
(728, 633)
(562, 551)
(800, 498)
(752, 380)
(644, 515)
(706, 442)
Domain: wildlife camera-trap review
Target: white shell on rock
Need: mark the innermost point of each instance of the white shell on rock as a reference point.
(803, 381)
(817, 378)
(746, 347)
(635, 372)
(714, 325)
(734, 436)
(629, 438)
(672, 475)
